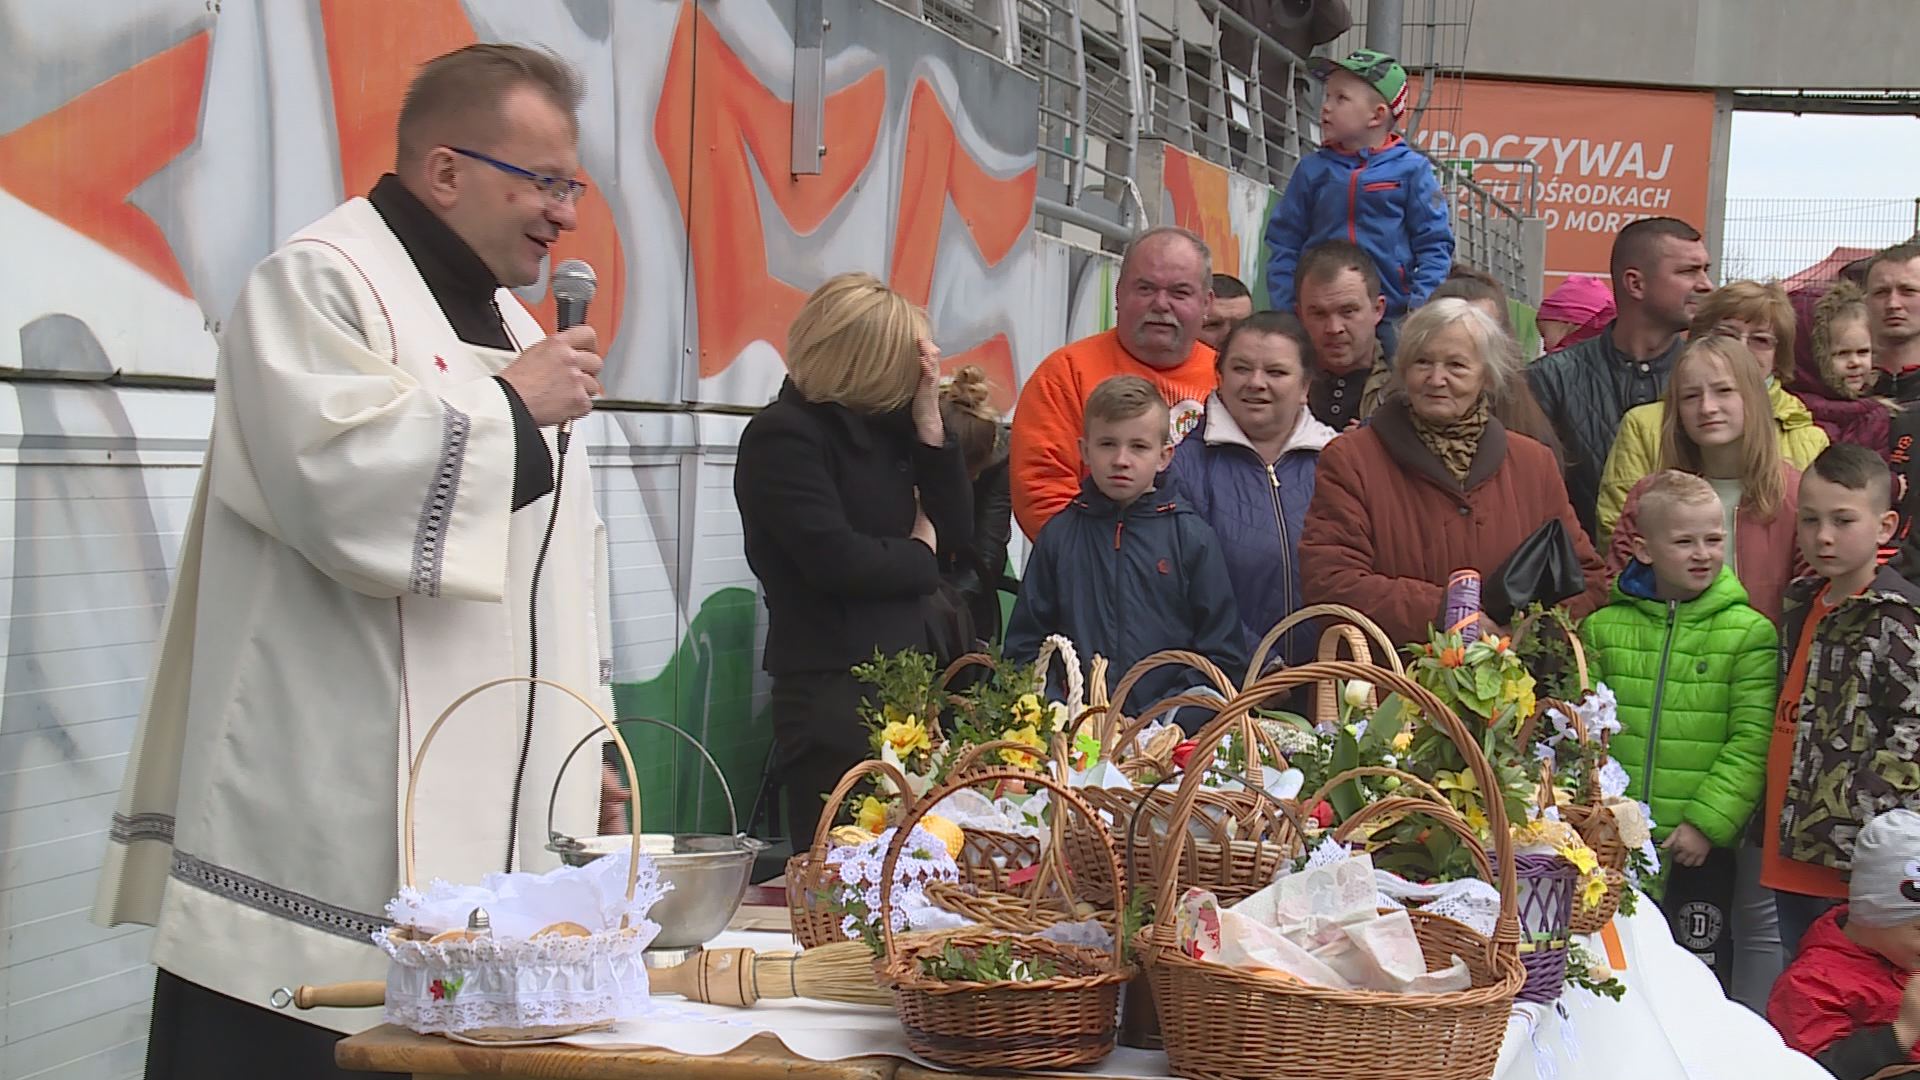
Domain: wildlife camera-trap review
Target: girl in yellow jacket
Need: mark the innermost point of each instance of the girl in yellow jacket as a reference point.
(1758, 315)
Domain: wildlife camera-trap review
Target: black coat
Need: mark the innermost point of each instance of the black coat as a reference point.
(1586, 390)
(1127, 582)
(826, 505)
(975, 569)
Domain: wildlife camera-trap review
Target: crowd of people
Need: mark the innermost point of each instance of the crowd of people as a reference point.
(1721, 475)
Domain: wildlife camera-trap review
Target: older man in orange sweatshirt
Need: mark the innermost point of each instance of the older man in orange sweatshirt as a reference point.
(1166, 283)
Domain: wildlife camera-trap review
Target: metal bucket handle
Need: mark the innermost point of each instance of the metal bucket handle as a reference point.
(733, 815)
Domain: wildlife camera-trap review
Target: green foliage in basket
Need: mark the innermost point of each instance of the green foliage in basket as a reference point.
(1004, 705)
(985, 963)
(1588, 972)
(1546, 648)
(1132, 917)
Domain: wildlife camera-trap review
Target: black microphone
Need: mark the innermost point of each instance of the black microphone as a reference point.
(573, 288)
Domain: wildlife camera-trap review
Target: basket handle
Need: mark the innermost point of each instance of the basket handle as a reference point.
(1524, 628)
(970, 757)
(1064, 800)
(420, 760)
(972, 659)
(1507, 930)
(1169, 658)
(1397, 806)
(726, 789)
(838, 797)
(1352, 620)
(1057, 647)
(1128, 735)
(1427, 791)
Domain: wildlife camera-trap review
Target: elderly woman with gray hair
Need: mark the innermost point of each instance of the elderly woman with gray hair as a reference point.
(1436, 483)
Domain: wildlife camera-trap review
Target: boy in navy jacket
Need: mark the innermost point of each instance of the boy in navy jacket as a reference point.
(1366, 185)
(1126, 570)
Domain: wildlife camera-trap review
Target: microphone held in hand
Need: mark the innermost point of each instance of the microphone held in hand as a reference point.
(573, 287)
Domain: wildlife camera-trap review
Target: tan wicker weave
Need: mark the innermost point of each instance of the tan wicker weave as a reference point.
(1223, 1023)
(809, 878)
(1059, 1022)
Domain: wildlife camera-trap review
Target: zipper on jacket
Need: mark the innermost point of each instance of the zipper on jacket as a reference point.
(1117, 526)
(1286, 564)
(1659, 698)
(1353, 203)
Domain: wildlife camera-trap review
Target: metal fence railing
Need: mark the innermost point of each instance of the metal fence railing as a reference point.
(1809, 240)
(1215, 85)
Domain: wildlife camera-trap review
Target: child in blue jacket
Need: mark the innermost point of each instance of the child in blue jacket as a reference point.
(1365, 185)
(1127, 570)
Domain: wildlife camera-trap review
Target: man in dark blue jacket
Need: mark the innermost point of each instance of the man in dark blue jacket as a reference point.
(1364, 185)
(1126, 570)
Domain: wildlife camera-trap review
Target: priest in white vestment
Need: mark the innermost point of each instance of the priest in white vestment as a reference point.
(386, 459)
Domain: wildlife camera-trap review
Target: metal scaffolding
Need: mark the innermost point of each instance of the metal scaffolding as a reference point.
(1205, 79)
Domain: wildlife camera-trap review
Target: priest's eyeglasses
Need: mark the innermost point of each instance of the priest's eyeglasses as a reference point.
(560, 189)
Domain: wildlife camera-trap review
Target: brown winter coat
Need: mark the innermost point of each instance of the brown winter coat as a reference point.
(1388, 524)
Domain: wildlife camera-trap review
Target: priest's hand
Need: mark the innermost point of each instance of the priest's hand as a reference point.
(557, 378)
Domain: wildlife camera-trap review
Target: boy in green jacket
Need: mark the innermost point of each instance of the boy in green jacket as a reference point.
(1694, 669)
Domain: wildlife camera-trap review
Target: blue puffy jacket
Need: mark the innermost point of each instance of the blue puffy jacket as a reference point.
(1127, 582)
(1257, 510)
(1387, 201)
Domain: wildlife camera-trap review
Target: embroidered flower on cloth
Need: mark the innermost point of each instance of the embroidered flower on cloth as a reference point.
(445, 989)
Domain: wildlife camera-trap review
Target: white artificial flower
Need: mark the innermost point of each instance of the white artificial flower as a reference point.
(1613, 779)
(1357, 694)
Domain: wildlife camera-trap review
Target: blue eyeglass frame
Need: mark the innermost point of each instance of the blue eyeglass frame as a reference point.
(562, 188)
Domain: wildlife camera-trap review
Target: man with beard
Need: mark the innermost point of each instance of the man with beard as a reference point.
(1659, 269)
(1162, 298)
(1337, 295)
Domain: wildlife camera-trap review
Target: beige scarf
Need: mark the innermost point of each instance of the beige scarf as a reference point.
(1456, 442)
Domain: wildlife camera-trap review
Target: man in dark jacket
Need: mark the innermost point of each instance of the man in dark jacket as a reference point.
(1126, 570)
(1659, 268)
(1893, 314)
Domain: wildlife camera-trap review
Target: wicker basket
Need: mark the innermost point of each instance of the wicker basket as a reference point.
(810, 881)
(1222, 1023)
(1589, 816)
(1242, 840)
(495, 978)
(1059, 1022)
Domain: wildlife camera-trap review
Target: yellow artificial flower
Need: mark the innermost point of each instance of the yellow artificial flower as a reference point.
(870, 814)
(1477, 820)
(1403, 741)
(1594, 890)
(1057, 716)
(1020, 759)
(1460, 788)
(1581, 856)
(1517, 689)
(906, 735)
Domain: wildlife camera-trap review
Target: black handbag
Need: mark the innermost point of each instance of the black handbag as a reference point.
(1544, 569)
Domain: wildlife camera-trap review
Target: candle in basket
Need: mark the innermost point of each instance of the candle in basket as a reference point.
(1462, 613)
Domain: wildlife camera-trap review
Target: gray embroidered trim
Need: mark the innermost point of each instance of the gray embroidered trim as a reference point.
(129, 828)
(430, 539)
(606, 671)
(260, 896)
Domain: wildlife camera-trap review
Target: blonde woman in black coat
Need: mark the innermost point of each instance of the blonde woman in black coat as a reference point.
(846, 485)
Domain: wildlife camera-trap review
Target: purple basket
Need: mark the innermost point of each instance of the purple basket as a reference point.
(1546, 884)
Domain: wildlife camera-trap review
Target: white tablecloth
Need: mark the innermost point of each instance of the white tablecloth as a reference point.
(1674, 1024)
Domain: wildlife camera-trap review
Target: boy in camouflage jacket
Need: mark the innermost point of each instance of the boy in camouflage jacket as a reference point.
(1846, 744)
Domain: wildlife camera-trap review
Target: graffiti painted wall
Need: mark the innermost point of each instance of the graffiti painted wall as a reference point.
(1229, 211)
(151, 153)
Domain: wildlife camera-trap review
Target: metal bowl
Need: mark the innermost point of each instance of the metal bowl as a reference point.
(709, 874)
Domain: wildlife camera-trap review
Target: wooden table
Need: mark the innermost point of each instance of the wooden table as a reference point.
(394, 1049)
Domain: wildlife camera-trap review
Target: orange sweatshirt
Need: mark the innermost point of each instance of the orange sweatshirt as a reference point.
(1045, 456)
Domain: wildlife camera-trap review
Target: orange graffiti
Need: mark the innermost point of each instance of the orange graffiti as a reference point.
(374, 48)
(735, 136)
(79, 162)
(1198, 191)
(935, 167)
(723, 129)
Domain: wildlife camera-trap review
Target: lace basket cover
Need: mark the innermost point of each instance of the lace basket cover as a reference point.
(535, 983)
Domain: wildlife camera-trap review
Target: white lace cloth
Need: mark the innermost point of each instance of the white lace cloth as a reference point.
(512, 980)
